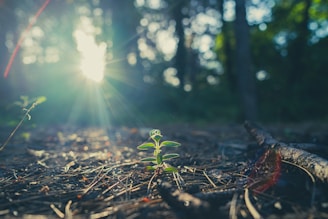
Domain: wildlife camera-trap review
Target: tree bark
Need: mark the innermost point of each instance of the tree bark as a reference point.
(245, 78)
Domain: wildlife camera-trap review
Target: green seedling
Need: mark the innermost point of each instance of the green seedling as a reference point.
(159, 159)
(24, 103)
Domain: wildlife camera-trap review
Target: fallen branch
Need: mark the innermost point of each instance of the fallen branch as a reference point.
(192, 206)
(313, 163)
(198, 205)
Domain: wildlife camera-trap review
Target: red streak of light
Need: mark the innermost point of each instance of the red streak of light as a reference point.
(21, 39)
(266, 171)
(274, 177)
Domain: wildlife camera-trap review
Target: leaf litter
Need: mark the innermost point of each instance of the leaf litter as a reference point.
(70, 172)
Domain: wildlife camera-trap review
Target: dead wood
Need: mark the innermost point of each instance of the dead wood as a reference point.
(316, 165)
(188, 204)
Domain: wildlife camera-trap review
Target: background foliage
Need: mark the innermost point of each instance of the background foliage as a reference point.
(167, 61)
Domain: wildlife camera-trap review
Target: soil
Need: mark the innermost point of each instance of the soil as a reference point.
(79, 172)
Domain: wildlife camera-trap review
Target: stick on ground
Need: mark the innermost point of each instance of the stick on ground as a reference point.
(316, 165)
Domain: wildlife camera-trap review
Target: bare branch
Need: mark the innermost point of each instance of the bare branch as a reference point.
(316, 165)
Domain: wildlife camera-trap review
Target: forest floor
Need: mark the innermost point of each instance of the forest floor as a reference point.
(70, 172)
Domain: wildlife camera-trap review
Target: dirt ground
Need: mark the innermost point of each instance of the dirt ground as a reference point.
(75, 172)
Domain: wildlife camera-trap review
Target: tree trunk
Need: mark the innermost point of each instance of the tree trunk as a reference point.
(245, 78)
(119, 30)
(297, 48)
(228, 41)
(8, 24)
(180, 57)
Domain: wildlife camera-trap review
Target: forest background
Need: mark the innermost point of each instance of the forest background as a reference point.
(135, 62)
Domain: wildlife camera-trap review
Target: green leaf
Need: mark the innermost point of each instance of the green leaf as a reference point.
(169, 156)
(40, 99)
(148, 159)
(146, 146)
(170, 144)
(151, 168)
(170, 169)
(155, 134)
(156, 138)
(159, 159)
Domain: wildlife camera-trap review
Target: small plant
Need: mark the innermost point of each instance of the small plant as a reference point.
(158, 158)
(24, 104)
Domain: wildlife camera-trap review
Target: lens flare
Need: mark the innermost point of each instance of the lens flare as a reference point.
(22, 38)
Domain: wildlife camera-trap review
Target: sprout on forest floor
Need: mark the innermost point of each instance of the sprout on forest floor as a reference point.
(159, 159)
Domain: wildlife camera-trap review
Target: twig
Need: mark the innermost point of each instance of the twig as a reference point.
(98, 177)
(310, 175)
(150, 181)
(130, 189)
(108, 211)
(15, 175)
(94, 182)
(115, 184)
(13, 132)
(68, 212)
(302, 168)
(57, 211)
(26, 115)
(313, 163)
(209, 179)
(233, 209)
(125, 185)
(178, 179)
(219, 195)
(4, 212)
(255, 214)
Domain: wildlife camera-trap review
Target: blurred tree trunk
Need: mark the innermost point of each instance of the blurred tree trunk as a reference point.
(245, 78)
(3, 56)
(228, 38)
(8, 24)
(180, 57)
(3, 47)
(120, 21)
(297, 47)
(192, 68)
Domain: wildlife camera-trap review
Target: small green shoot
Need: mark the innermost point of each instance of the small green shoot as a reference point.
(158, 158)
(24, 103)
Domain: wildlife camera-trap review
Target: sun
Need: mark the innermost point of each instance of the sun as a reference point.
(93, 55)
